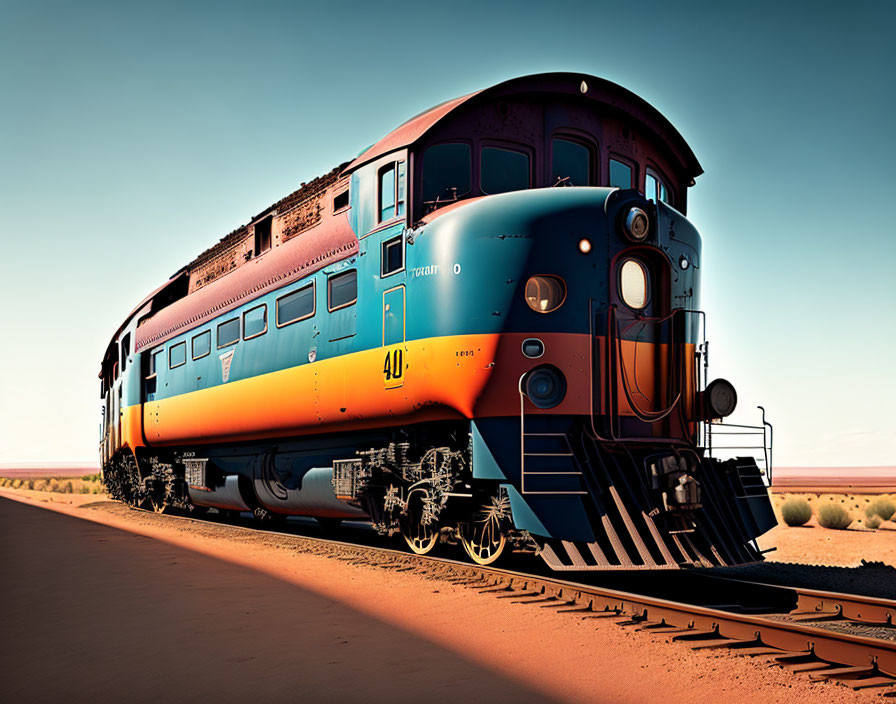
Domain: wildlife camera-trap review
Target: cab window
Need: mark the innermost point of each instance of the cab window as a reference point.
(503, 170)
(391, 191)
(447, 172)
(392, 256)
(570, 163)
(620, 174)
(655, 189)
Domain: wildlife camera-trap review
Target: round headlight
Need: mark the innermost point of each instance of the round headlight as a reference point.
(633, 284)
(545, 293)
(720, 399)
(637, 224)
(584, 245)
(545, 386)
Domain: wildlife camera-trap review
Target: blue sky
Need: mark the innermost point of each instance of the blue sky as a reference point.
(133, 136)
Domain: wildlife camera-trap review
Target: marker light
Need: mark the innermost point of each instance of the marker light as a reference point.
(533, 348)
(584, 246)
(683, 262)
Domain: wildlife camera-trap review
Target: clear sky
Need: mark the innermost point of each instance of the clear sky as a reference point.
(134, 135)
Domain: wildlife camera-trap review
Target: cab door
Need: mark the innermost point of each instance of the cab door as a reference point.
(394, 361)
(392, 273)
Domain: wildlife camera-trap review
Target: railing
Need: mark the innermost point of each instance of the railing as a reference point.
(765, 431)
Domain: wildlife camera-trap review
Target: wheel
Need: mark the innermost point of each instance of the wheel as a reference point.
(421, 538)
(483, 538)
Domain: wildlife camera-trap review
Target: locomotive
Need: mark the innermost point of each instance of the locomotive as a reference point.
(484, 330)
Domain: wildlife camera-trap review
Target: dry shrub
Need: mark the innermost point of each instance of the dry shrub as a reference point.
(884, 508)
(834, 516)
(16, 483)
(29, 484)
(68, 488)
(873, 522)
(42, 485)
(796, 512)
(84, 489)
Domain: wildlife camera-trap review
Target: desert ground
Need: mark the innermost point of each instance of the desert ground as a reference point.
(135, 606)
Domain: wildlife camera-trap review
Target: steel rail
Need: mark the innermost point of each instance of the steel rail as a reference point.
(838, 655)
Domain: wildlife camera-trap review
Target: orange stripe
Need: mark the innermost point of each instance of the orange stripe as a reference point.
(454, 377)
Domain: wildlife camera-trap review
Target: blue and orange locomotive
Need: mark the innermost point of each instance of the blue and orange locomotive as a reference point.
(485, 329)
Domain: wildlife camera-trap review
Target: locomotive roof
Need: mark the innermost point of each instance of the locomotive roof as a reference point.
(599, 90)
(314, 251)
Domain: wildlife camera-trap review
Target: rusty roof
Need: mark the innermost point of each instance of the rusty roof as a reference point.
(598, 89)
(326, 243)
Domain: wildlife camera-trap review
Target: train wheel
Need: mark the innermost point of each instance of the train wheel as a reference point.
(483, 538)
(421, 538)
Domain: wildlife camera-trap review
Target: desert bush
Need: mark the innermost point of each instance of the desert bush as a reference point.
(16, 483)
(84, 489)
(796, 512)
(41, 485)
(873, 522)
(68, 488)
(29, 484)
(884, 508)
(834, 516)
(91, 477)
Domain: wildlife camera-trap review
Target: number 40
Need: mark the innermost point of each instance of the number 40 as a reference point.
(393, 367)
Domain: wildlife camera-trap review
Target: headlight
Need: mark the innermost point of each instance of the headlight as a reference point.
(545, 293)
(633, 284)
(636, 225)
(719, 399)
(545, 386)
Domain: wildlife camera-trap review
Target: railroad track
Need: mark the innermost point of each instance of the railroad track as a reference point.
(826, 635)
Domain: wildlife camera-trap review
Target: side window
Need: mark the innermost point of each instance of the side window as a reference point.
(391, 191)
(228, 332)
(655, 189)
(263, 235)
(202, 344)
(340, 201)
(392, 256)
(255, 322)
(503, 170)
(177, 355)
(125, 351)
(342, 290)
(295, 306)
(156, 361)
(571, 163)
(447, 172)
(620, 174)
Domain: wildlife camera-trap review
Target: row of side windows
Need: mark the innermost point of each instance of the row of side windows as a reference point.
(342, 291)
(447, 170)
